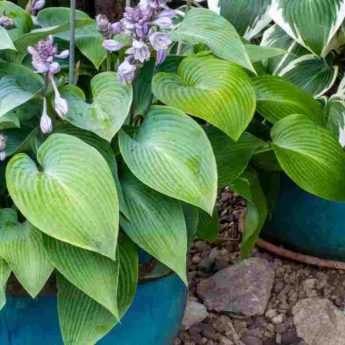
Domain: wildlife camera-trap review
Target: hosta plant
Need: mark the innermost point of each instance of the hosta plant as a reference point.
(164, 108)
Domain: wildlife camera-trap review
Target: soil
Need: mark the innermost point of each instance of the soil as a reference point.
(293, 282)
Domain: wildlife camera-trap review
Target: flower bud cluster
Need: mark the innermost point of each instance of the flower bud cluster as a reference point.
(148, 26)
(7, 22)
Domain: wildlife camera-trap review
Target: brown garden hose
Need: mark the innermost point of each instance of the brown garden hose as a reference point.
(302, 258)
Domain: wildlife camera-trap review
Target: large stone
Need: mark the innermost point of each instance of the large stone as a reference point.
(319, 322)
(244, 288)
(195, 313)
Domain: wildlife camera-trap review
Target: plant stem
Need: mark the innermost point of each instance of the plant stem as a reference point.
(72, 43)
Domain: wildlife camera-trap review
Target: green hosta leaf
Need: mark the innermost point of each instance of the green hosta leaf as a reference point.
(276, 37)
(217, 91)
(204, 26)
(278, 98)
(248, 186)
(21, 18)
(311, 23)
(88, 40)
(192, 216)
(232, 157)
(5, 40)
(92, 273)
(208, 228)
(18, 85)
(21, 246)
(156, 224)
(249, 17)
(312, 74)
(171, 154)
(310, 156)
(109, 109)
(62, 193)
(260, 53)
(5, 273)
(82, 319)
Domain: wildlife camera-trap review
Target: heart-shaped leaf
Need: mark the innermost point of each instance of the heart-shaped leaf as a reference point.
(62, 193)
(109, 109)
(311, 73)
(92, 273)
(278, 98)
(172, 154)
(310, 156)
(156, 224)
(217, 91)
(311, 23)
(249, 17)
(5, 40)
(21, 246)
(201, 25)
(18, 85)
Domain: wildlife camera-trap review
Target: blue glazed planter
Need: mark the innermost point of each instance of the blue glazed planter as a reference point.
(307, 224)
(153, 319)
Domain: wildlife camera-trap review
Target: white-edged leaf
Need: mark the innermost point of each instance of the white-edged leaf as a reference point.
(310, 156)
(312, 23)
(217, 91)
(335, 110)
(108, 110)
(214, 5)
(5, 40)
(92, 273)
(172, 154)
(156, 224)
(5, 273)
(311, 73)
(18, 84)
(62, 193)
(249, 17)
(82, 320)
(201, 25)
(278, 98)
(21, 246)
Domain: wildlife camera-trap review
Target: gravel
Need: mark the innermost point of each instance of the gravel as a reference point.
(292, 284)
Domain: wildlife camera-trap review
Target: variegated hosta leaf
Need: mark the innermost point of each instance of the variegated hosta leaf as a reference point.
(62, 193)
(5, 40)
(310, 156)
(21, 246)
(311, 73)
(84, 321)
(18, 84)
(276, 37)
(201, 25)
(5, 273)
(92, 273)
(249, 17)
(232, 157)
(217, 91)
(156, 223)
(278, 98)
(109, 109)
(311, 23)
(172, 154)
(335, 110)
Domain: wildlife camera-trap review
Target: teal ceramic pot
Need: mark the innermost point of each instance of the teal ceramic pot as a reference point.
(153, 319)
(307, 224)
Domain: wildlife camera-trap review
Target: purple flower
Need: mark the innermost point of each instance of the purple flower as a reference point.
(161, 55)
(160, 40)
(127, 71)
(43, 54)
(60, 106)
(104, 26)
(7, 22)
(37, 5)
(140, 51)
(117, 28)
(112, 45)
(3, 141)
(46, 123)
(164, 22)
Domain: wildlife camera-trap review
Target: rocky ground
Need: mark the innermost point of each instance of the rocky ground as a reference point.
(263, 300)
